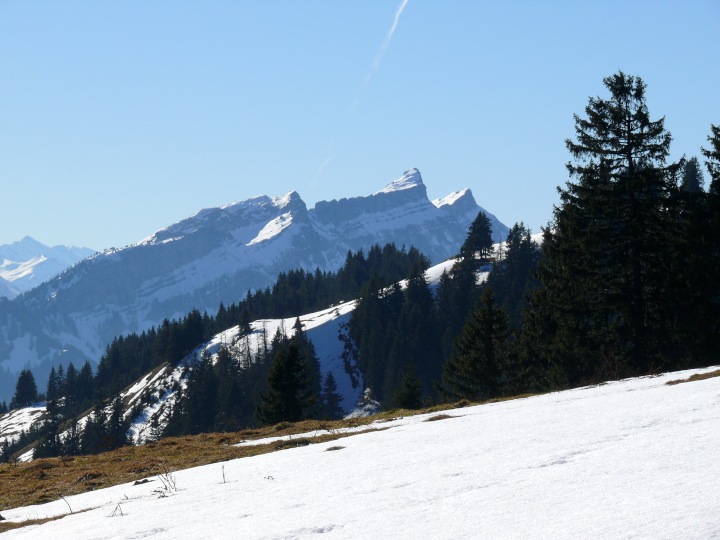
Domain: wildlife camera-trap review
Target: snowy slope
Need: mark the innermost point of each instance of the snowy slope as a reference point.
(630, 459)
(14, 422)
(322, 328)
(218, 255)
(28, 263)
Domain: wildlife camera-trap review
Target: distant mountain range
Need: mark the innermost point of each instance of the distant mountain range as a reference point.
(27, 263)
(216, 256)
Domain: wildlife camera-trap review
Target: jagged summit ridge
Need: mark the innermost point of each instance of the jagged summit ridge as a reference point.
(231, 217)
(409, 180)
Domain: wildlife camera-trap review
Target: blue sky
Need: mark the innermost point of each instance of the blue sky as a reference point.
(119, 118)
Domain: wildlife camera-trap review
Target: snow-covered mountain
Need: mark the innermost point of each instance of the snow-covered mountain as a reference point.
(27, 263)
(628, 459)
(149, 401)
(218, 255)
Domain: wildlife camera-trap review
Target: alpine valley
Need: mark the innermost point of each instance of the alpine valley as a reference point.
(215, 256)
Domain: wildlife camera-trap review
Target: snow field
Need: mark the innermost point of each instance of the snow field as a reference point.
(630, 459)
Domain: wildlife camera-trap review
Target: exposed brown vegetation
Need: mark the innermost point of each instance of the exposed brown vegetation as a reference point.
(696, 377)
(8, 526)
(439, 417)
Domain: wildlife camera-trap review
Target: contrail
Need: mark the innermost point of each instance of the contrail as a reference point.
(371, 71)
(376, 63)
(320, 169)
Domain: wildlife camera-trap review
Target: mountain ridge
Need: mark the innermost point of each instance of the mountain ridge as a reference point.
(26, 263)
(218, 255)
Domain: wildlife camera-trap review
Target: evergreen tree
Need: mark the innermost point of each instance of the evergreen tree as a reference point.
(245, 321)
(92, 438)
(117, 426)
(199, 406)
(50, 444)
(513, 275)
(373, 328)
(71, 444)
(458, 289)
(230, 393)
(409, 394)
(332, 408)
(692, 178)
(477, 369)
(52, 391)
(85, 386)
(289, 396)
(478, 244)
(712, 247)
(25, 390)
(70, 391)
(712, 159)
(415, 345)
(307, 350)
(458, 293)
(603, 261)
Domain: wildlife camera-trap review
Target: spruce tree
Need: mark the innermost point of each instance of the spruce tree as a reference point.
(415, 345)
(477, 369)
(52, 391)
(117, 427)
(373, 328)
(513, 275)
(409, 394)
(478, 243)
(289, 396)
(604, 265)
(332, 408)
(712, 292)
(50, 444)
(199, 406)
(712, 159)
(92, 438)
(692, 178)
(25, 390)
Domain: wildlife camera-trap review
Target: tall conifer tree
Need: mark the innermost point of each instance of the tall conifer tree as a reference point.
(603, 267)
(290, 395)
(476, 370)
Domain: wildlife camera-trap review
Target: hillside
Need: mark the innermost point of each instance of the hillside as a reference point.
(632, 458)
(149, 401)
(215, 256)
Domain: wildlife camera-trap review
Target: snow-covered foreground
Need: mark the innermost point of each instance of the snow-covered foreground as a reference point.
(631, 459)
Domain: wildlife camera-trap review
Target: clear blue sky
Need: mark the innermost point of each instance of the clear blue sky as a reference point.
(119, 118)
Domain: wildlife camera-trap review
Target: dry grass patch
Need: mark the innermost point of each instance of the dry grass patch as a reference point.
(696, 377)
(439, 417)
(8, 526)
